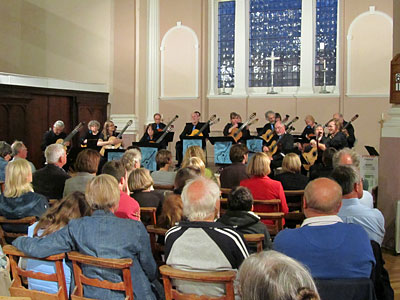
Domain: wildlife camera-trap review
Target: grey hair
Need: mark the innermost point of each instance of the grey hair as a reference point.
(53, 153)
(355, 157)
(5, 149)
(273, 275)
(59, 124)
(270, 112)
(131, 157)
(346, 176)
(199, 198)
(93, 123)
(16, 147)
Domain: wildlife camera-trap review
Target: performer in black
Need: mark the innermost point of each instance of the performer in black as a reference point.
(92, 136)
(336, 138)
(54, 134)
(270, 117)
(235, 123)
(158, 126)
(348, 132)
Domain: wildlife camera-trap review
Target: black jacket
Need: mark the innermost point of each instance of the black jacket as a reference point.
(49, 181)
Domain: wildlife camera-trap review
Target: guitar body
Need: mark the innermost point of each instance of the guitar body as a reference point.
(196, 132)
(236, 134)
(310, 157)
(267, 136)
(70, 136)
(103, 149)
(273, 147)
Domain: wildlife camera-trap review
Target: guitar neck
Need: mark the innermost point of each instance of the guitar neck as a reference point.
(170, 123)
(159, 140)
(72, 133)
(202, 128)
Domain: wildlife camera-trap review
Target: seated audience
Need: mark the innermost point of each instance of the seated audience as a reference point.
(164, 161)
(272, 275)
(5, 156)
(262, 187)
(50, 180)
(19, 150)
(347, 156)
(202, 244)
(326, 245)
(352, 211)
(131, 159)
(236, 172)
(140, 184)
(73, 206)
(128, 207)
(18, 200)
(240, 216)
(196, 151)
(86, 165)
(172, 209)
(291, 178)
(102, 235)
(325, 169)
(197, 163)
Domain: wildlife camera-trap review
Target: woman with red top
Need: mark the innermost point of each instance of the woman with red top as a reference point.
(262, 187)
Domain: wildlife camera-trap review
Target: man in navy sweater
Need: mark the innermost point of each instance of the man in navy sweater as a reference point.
(326, 245)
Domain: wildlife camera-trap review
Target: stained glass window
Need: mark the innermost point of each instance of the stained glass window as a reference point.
(226, 43)
(275, 25)
(326, 37)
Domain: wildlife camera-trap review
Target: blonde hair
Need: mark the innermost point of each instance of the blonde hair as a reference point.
(259, 165)
(130, 158)
(107, 124)
(102, 192)
(193, 151)
(17, 183)
(197, 163)
(291, 163)
(140, 180)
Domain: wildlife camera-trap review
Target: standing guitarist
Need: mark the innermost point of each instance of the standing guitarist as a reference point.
(235, 123)
(348, 132)
(189, 128)
(54, 134)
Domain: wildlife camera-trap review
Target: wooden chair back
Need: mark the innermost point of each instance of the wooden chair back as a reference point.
(225, 277)
(122, 264)
(149, 213)
(156, 248)
(14, 298)
(225, 191)
(295, 215)
(18, 290)
(12, 235)
(276, 218)
(255, 238)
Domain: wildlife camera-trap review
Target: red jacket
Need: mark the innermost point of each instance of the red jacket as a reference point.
(264, 188)
(128, 208)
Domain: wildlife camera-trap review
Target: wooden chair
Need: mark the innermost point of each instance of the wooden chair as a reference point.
(149, 213)
(14, 298)
(12, 235)
(18, 290)
(255, 238)
(53, 201)
(225, 191)
(122, 264)
(295, 215)
(156, 248)
(225, 277)
(276, 217)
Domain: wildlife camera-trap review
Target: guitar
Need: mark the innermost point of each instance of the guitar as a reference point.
(310, 157)
(267, 136)
(237, 133)
(70, 136)
(113, 138)
(170, 123)
(348, 123)
(213, 120)
(166, 130)
(291, 122)
(273, 147)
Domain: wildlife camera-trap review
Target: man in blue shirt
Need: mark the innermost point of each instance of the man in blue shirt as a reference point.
(352, 211)
(5, 156)
(326, 245)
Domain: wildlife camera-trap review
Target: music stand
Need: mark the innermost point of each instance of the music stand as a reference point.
(259, 130)
(222, 147)
(371, 151)
(254, 144)
(113, 154)
(189, 141)
(149, 151)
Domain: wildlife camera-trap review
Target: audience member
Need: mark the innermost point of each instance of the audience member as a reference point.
(102, 235)
(140, 184)
(240, 216)
(18, 200)
(73, 206)
(347, 156)
(275, 276)
(19, 150)
(261, 186)
(50, 180)
(202, 244)
(197, 151)
(5, 156)
(128, 207)
(86, 165)
(236, 172)
(325, 169)
(352, 211)
(197, 163)
(131, 160)
(164, 161)
(326, 245)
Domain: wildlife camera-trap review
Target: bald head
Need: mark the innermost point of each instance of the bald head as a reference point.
(323, 196)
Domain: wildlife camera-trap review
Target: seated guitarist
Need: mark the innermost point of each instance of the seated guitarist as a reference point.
(109, 130)
(319, 140)
(149, 134)
(308, 131)
(348, 132)
(158, 125)
(189, 128)
(270, 117)
(235, 124)
(56, 133)
(284, 142)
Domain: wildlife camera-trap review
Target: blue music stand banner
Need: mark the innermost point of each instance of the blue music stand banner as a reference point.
(221, 152)
(191, 142)
(149, 158)
(254, 145)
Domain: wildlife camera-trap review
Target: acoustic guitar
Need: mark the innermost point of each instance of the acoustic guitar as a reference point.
(199, 132)
(344, 130)
(273, 147)
(70, 136)
(267, 136)
(170, 123)
(113, 138)
(237, 133)
(166, 130)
